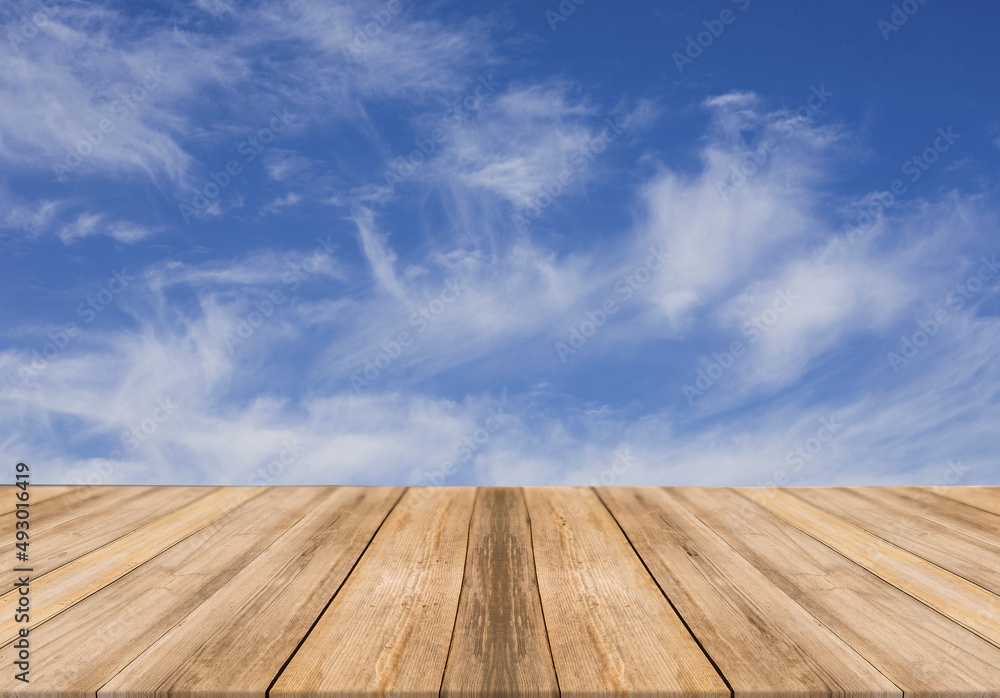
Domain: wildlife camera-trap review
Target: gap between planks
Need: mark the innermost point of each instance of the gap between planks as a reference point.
(563, 521)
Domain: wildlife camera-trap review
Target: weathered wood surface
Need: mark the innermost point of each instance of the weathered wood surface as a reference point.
(389, 628)
(226, 592)
(610, 628)
(914, 646)
(500, 644)
(760, 638)
(948, 593)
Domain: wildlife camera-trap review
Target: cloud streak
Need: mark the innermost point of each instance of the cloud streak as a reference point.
(373, 325)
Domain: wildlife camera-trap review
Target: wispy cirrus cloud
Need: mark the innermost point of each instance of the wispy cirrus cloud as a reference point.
(374, 323)
(98, 92)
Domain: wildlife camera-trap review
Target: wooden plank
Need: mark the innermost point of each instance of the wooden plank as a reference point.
(389, 628)
(956, 552)
(959, 599)
(52, 511)
(957, 516)
(610, 628)
(102, 520)
(499, 647)
(37, 494)
(918, 649)
(79, 650)
(236, 642)
(985, 498)
(56, 591)
(73, 500)
(761, 640)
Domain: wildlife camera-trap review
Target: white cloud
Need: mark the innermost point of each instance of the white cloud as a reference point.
(380, 256)
(90, 224)
(239, 400)
(521, 142)
(809, 307)
(261, 269)
(32, 219)
(284, 164)
(369, 50)
(289, 199)
(721, 225)
(96, 92)
(71, 109)
(732, 100)
(889, 436)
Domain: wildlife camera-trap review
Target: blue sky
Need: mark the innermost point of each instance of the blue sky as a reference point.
(719, 243)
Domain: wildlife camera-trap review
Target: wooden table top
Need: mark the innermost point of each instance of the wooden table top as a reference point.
(541, 591)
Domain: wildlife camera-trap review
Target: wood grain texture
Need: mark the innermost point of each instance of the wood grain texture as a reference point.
(929, 504)
(499, 647)
(985, 498)
(50, 511)
(388, 629)
(38, 494)
(236, 642)
(102, 521)
(762, 641)
(968, 557)
(538, 592)
(961, 600)
(610, 628)
(56, 591)
(79, 650)
(918, 649)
